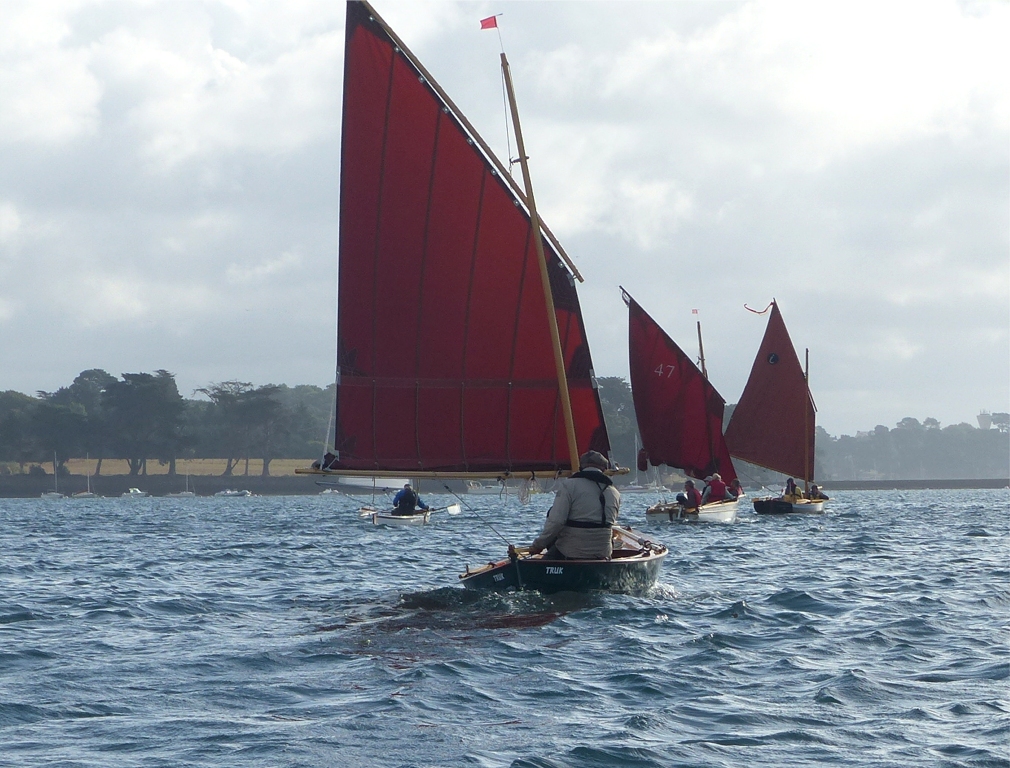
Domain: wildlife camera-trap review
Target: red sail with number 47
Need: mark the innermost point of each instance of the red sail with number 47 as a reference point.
(679, 412)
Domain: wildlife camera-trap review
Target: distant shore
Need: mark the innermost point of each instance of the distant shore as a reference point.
(33, 486)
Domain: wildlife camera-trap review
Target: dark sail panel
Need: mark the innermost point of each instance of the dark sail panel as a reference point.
(444, 351)
(679, 412)
(773, 424)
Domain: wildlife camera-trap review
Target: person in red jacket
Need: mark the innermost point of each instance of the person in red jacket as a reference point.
(715, 490)
(690, 498)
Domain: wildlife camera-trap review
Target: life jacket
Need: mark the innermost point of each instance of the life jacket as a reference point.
(408, 501)
(717, 490)
(693, 498)
(602, 482)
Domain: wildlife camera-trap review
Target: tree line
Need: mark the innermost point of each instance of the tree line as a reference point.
(141, 417)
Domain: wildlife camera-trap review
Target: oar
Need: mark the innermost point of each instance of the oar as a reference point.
(452, 509)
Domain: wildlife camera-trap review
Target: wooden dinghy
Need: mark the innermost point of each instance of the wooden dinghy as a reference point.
(633, 568)
(770, 505)
(389, 517)
(716, 512)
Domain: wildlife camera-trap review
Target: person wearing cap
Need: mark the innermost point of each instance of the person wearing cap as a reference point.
(792, 492)
(579, 523)
(690, 499)
(816, 494)
(715, 490)
(406, 500)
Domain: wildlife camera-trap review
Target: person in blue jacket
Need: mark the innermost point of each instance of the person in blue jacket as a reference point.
(406, 500)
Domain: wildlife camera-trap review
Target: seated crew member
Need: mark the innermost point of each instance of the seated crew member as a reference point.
(324, 463)
(792, 493)
(405, 501)
(690, 499)
(586, 506)
(715, 490)
(816, 494)
(735, 489)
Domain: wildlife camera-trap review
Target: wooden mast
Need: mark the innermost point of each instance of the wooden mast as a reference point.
(552, 319)
(806, 421)
(701, 353)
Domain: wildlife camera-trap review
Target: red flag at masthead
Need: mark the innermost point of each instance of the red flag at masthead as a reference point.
(491, 22)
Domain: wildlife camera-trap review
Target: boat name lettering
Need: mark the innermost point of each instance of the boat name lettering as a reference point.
(499, 577)
(556, 570)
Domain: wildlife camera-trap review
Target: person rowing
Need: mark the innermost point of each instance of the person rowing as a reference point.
(407, 500)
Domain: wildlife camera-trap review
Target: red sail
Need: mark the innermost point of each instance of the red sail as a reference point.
(445, 361)
(773, 424)
(679, 413)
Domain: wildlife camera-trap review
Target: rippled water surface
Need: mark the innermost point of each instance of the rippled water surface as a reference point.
(286, 631)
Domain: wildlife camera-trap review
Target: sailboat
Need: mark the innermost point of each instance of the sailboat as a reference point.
(86, 494)
(186, 494)
(461, 347)
(679, 415)
(55, 492)
(773, 424)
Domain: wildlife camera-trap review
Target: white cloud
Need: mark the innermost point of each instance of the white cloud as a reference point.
(176, 171)
(10, 222)
(49, 94)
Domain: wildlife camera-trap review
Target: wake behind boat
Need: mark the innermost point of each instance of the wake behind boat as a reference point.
(483, 372)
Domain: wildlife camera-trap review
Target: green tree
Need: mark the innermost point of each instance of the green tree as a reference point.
(619, 413)
(144, 418)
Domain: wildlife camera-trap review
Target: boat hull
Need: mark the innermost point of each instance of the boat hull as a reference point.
(769, 506)
(718, 512)
(631, 570)
(388, 518)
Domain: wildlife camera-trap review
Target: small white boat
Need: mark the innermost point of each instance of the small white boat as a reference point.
(86, 494)
(135, 493)
(187, 494)
(480, 489)
(388, 517)
(635, 488)
(55, 492)
(716, 512)
(233, 492)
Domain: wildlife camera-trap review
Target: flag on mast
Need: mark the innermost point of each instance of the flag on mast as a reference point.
(491, 22)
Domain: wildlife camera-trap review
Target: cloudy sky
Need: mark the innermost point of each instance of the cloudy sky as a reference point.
(168, 184)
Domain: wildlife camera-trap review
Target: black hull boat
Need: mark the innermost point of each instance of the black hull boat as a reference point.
(782, 507)
(634, 568)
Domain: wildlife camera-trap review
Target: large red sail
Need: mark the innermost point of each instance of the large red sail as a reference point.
(445, 361)
(773, 424)
(679, 412)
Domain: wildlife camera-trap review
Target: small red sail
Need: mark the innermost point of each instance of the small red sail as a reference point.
(773, 424)
(445, 361)
(679, 412)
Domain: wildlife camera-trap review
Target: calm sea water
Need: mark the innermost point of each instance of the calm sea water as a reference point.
(286, 631)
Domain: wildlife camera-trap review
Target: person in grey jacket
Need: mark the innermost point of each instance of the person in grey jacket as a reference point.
(585, 509)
